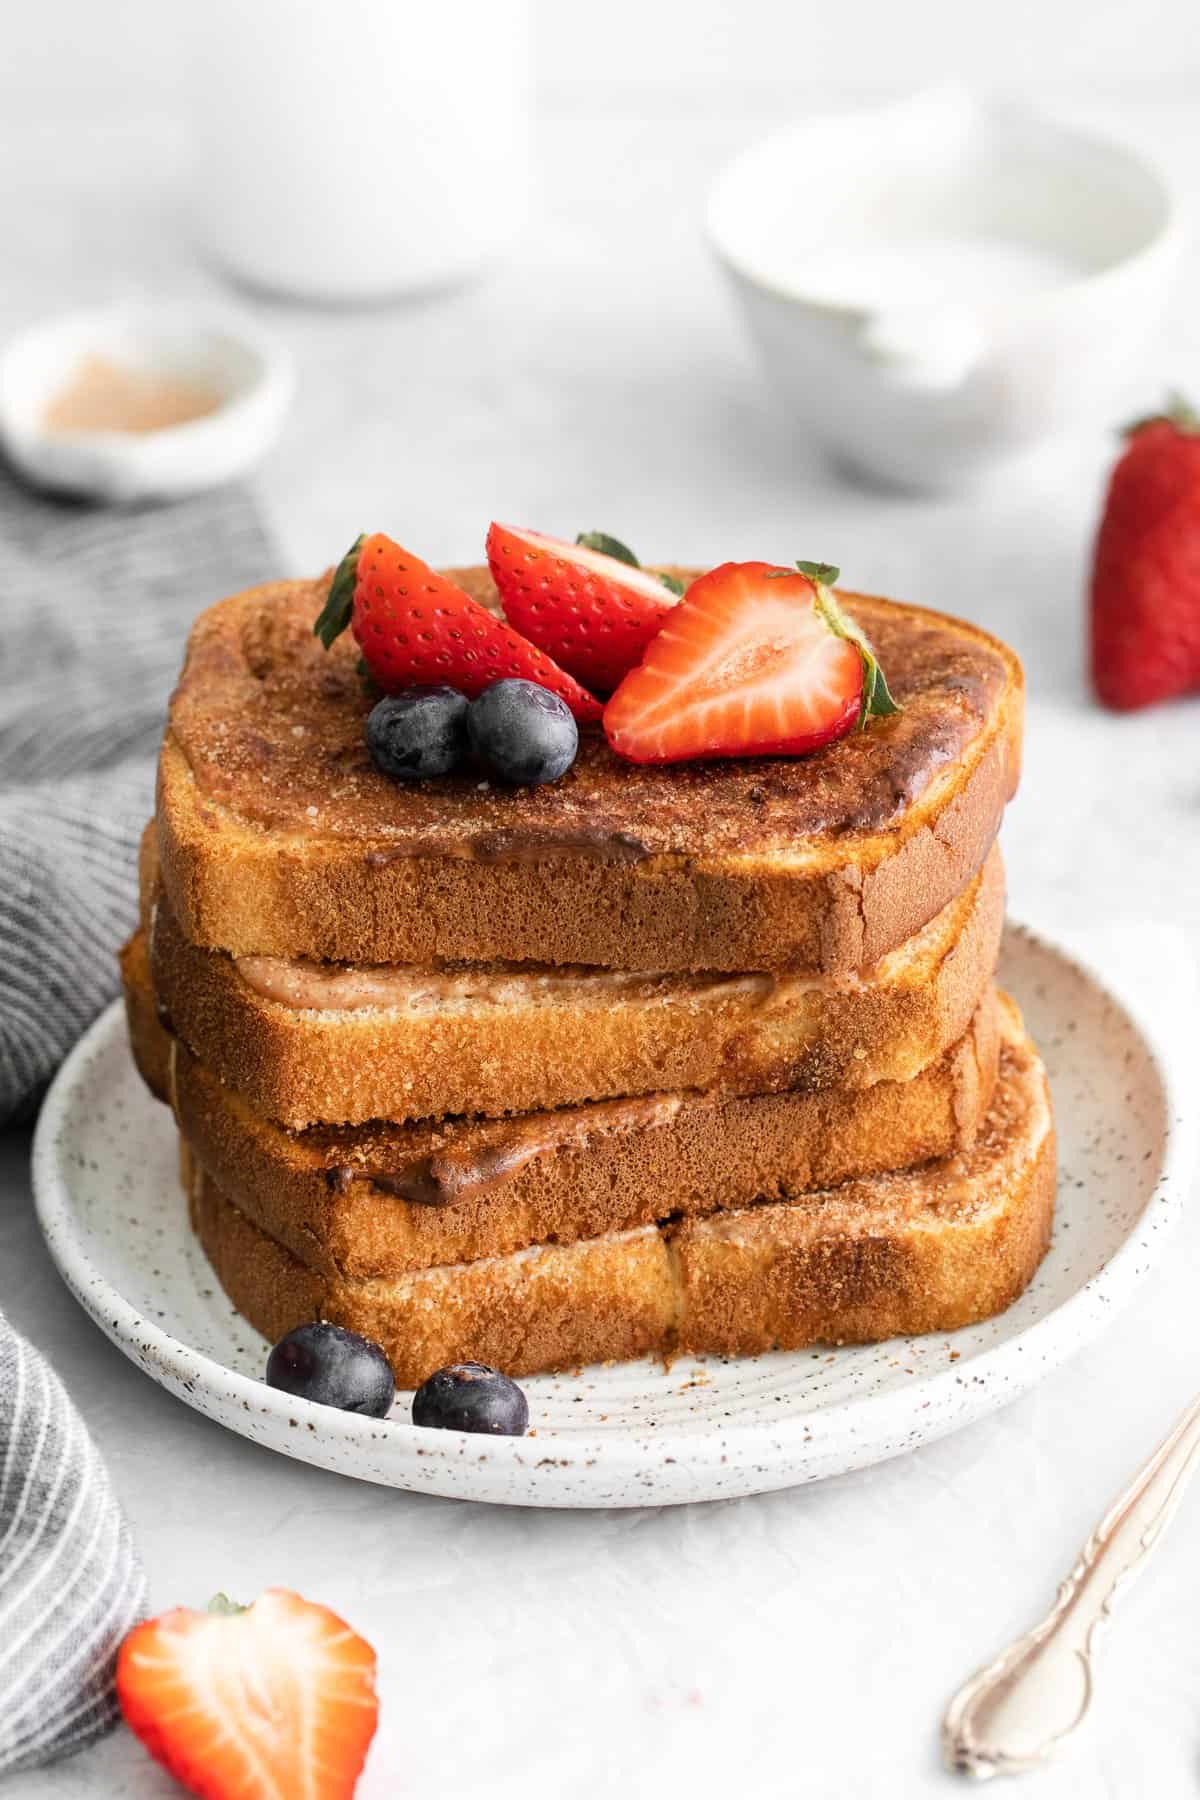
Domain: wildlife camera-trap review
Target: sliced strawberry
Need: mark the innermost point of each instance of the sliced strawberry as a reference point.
(754, 661)
(588, 605)
(416, 628)
(252, 1703)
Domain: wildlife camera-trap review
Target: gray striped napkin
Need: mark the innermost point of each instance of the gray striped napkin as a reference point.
(70, 1583)
(94, 607)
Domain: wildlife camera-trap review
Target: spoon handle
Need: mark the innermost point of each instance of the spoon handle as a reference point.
(1010, 1716)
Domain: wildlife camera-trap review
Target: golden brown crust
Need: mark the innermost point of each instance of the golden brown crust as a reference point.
(898, 1255)
(618, 1036)
(150, 1042)
(933, 1250)
(277, 837)
(613, 1295)
(337, 1196)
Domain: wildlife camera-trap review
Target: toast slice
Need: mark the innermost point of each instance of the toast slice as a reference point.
(278, 837)
(309, 1043)
(381, 1200)
(932, 1249)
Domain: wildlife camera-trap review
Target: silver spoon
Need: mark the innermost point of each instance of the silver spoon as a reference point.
(1014, 1713)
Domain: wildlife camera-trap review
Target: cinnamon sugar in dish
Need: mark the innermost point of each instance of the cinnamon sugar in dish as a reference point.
(102, 395)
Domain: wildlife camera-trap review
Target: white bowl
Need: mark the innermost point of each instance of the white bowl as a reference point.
(937, 285)
(251, 374)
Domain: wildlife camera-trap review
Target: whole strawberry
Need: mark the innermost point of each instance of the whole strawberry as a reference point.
(1145, 625)
(415, 628)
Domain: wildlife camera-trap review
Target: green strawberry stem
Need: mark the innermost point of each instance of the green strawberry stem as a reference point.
(222, 1607)
(1178, 411)
(818, 571)
(877, 702)
(605, 545)
(335, 614)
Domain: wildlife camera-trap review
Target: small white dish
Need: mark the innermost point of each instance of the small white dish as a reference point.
(109, 1202)
(250, 375)
(938, 285)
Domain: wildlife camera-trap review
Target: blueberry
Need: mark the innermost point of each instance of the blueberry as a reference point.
(523, 732)
(471, 1397)
(421, 732)
(334, 1367)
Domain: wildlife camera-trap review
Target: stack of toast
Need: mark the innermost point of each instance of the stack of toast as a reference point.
(706, 1057)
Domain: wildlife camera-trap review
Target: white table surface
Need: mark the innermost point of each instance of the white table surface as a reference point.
(802, 1643)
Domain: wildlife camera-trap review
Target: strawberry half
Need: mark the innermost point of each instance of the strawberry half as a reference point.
(252, 1703)
(754, 661)
(589, 605)
(415, 628)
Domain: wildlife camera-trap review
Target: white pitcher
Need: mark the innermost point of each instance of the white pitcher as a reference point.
(353, 149)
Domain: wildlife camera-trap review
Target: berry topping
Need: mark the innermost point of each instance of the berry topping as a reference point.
(471, 1397)
(333, 1367)
(415, 629)
(418, 733)
(252, 1702)
(588, 604)
(1146, 574)
(523, 732)
(754, 661)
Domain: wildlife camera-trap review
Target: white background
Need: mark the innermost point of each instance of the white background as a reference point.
(801, 1644)
(126, 55)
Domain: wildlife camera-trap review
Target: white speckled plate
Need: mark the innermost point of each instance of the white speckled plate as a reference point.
(110, 1205)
